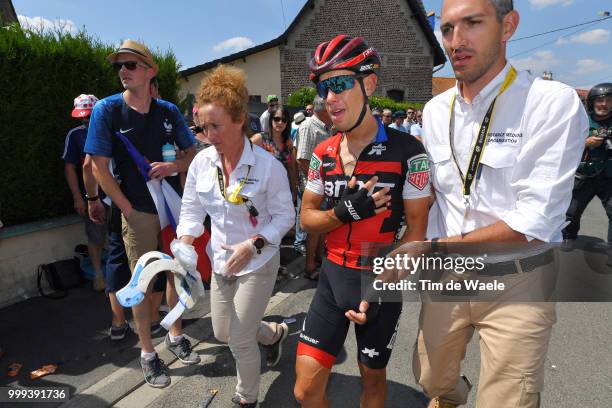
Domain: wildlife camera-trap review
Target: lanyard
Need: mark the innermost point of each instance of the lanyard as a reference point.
(481, 141)
(233, 198)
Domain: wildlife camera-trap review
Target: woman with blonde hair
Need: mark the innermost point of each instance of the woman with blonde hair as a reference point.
(245, 191)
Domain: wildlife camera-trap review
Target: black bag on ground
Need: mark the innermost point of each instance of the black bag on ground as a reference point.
(61, 276)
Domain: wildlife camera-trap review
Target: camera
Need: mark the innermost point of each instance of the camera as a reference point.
(606, 134)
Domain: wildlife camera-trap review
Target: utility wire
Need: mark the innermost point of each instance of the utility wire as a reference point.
(557, 39)
(561, 29)
(284, 21)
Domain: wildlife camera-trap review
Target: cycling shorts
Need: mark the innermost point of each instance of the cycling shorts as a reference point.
(325, 328)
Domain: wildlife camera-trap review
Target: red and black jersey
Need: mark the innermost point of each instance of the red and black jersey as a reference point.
(399, 161)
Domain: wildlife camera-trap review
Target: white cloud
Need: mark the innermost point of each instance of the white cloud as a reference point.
(587, 66)
(598, 36)
(234, 44)
(540, 61)
(43, 24)
(546, 3)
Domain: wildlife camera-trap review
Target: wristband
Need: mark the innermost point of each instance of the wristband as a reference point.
(92, 198)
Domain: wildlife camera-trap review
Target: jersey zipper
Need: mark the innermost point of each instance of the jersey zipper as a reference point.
(348, 235)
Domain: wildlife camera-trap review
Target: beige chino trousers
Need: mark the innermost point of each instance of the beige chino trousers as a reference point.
(514, 339)
(237, 305)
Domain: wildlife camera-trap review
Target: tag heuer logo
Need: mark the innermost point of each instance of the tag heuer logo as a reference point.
(314, 168)
(418, 170)
(315, 163)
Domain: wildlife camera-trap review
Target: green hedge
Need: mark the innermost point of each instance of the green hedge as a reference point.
(383, 102)
(305, 95)
(301, 97)
(40, 75)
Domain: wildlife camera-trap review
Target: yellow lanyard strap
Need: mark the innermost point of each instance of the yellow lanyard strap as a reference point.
(481, 141)
(233, 198)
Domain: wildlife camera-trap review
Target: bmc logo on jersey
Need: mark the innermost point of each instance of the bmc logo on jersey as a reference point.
(334, 188)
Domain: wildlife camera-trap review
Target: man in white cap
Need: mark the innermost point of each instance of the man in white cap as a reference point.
(298, 118)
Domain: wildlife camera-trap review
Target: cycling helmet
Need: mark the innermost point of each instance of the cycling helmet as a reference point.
(344, 52)
(350, 53)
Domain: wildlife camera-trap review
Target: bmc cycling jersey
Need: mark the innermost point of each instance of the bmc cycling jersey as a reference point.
(399, 161)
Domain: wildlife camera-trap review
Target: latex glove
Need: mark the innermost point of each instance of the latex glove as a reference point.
(241, 255)
(185, 254)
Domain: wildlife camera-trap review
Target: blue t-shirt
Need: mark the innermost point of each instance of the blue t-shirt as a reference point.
(74, 145)
(147, 132)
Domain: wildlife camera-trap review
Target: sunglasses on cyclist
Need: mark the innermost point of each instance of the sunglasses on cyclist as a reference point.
(129, 65)
(278, 119)
(337, 84)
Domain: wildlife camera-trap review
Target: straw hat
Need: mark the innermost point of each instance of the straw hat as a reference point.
(139, 50)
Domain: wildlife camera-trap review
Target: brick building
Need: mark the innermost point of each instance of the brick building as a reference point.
(398, 29)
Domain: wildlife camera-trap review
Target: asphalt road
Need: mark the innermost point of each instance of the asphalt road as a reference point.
(578, 366)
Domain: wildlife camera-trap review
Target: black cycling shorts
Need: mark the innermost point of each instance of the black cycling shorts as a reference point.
(325, 328)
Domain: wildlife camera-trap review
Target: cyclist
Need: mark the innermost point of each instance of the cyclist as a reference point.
(372, 178)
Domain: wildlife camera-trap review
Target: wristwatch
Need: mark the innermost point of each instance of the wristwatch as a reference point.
(258, 243)
(91, 198)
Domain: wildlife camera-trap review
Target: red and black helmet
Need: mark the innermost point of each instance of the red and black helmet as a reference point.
(344, 52)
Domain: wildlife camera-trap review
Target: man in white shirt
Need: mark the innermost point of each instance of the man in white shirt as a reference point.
(313, 131)
(517, 192)
(416, 129)
(264, 119)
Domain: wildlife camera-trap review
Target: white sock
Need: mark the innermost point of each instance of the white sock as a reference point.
(147, 356)
(175, 339)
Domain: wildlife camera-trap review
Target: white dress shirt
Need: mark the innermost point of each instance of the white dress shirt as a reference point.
(264, 121)
(534, 145)
(267, 187)
(415, 130)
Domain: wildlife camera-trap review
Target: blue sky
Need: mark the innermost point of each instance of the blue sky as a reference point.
(199, 31)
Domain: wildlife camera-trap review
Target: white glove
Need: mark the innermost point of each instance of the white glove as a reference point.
(185, 254)
(241, 255)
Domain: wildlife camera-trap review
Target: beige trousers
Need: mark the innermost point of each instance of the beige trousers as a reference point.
(140, 235)
(514, 341)
(237, 306)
